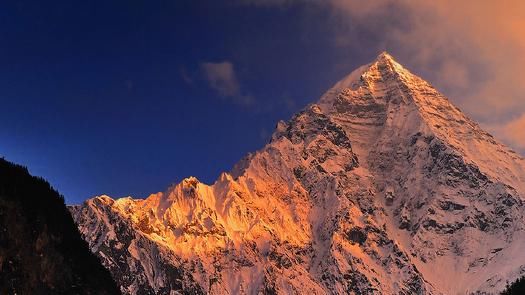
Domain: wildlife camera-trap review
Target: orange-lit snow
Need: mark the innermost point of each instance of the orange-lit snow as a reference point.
(421, 199)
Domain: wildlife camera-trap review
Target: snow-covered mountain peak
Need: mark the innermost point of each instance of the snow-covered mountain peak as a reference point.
(384, 66)
(385, 55)
(387, 62)
(368, 191)
(383, 97)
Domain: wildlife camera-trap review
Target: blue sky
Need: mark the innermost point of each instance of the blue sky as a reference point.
(127, 97)
(114, 98)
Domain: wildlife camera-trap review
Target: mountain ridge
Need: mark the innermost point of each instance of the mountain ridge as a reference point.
(366, 191)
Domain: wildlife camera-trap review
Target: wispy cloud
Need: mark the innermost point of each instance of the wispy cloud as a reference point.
(222, 78)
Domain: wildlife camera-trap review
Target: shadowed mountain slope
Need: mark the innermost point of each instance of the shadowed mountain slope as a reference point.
(41, 251)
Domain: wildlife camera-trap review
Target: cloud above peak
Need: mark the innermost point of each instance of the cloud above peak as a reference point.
(473, 51)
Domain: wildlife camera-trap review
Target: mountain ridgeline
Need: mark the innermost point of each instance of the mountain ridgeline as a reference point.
(41, 251)
(381, 187)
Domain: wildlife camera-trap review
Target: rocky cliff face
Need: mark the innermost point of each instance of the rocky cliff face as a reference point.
(382, 187)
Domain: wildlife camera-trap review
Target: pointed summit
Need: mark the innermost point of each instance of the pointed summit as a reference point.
(386, 60)
(383, 95)
(386, 64)
(383, 68)
(384, 56)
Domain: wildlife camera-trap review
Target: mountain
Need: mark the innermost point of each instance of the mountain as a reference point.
(382, 187)
(41, 251)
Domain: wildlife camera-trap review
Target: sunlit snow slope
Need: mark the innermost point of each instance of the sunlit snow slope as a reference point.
(382, 187)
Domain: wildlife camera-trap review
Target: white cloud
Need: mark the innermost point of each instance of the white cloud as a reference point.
(222, 78)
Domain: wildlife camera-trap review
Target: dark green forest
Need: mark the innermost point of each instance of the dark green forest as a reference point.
(41, 250)
(516, 288)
